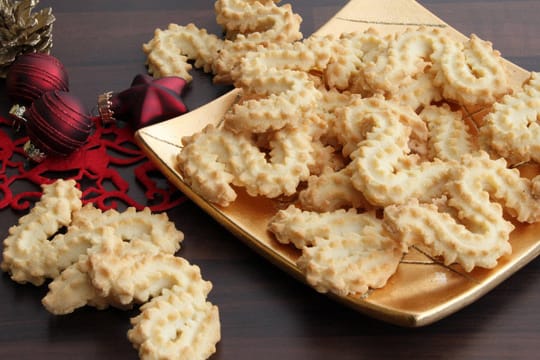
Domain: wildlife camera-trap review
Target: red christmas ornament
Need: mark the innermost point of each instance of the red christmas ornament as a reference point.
(33, 74)
(146, 102)
(57, 124)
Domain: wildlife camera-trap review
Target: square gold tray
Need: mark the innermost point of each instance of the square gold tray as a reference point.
(422, 291)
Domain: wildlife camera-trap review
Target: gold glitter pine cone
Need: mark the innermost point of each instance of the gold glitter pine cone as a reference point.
(22, 31)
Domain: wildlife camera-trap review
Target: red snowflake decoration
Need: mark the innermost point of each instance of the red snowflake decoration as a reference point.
(100, 168)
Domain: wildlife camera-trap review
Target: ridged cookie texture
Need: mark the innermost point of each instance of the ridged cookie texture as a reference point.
(332, 190)
(344, 252)
(126, 274)
(74, 288)
(278, 23)
(470, 73)
(214, 159)
(407, 55)
(129, 225)
(385, 170)
(170, 51)
(177, 324)
(354, 121)
(470, 229)
(29, 255)
(347, 67)
(511, 128)
(449, 135)
(247, 26)
(116, 259)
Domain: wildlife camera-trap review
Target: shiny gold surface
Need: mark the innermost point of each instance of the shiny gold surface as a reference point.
(423, 290)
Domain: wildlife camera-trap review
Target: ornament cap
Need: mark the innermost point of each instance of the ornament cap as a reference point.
(16, 114)
(33, 152)
(105, 108)
(145, 102)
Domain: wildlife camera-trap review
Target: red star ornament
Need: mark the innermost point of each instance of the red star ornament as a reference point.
(146, 102)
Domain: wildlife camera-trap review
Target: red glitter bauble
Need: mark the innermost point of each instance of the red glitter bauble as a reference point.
(33, 74)
(57, 123)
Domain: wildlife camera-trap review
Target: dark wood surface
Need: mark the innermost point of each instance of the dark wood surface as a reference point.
(265, 314)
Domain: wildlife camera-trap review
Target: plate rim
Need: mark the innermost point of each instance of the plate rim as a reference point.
(144, 137)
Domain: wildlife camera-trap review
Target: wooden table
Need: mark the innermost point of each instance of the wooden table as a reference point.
(265, 314)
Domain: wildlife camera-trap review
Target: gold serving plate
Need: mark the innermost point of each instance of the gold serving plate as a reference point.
(422, 290)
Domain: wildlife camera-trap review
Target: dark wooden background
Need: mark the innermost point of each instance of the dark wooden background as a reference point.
(265, 314)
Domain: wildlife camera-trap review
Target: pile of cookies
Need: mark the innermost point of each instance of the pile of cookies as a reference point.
(116, 259)
(246, 25)
(368, 134)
